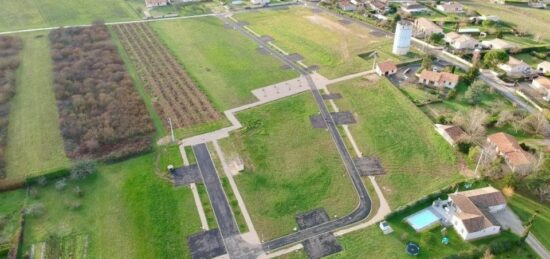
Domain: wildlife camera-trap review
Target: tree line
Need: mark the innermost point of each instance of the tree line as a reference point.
(9, 62)
(101, 115)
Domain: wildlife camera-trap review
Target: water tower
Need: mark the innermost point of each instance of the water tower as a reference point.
(402, 39)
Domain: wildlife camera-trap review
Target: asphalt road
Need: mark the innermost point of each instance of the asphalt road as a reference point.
(364, 207)
(226, 221)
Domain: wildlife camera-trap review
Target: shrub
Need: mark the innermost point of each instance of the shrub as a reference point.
(35, 210)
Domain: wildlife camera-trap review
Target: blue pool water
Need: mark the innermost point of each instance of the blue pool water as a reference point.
(422, 220)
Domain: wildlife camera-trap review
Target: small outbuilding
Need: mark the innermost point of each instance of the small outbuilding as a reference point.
(155, 3)
(386, 68)
(544, 67)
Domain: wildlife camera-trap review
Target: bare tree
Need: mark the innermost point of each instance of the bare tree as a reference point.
(536, 124)
(473, 122)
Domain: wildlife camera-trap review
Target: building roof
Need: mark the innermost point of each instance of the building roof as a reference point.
(504, 142)
(386, 66)
(473, 205)
(454, 132)
(516, 62)
(413, 7)
(427, 24)
(439, 76)
(511, 149)
(543, 81)
(156, 2)
(455, 37)
(498, 44)
(544, 65)
(379, 5)
(451, 6)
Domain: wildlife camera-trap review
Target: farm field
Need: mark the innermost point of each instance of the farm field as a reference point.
(34, 143)
(291, 166)
(27, 14)
(224, 64)
(535, 21)
(417, 160)
(321, 39)
(173, 92)
(126, 211)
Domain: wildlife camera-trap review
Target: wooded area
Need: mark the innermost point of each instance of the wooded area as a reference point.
(101, 115)
(9, 62)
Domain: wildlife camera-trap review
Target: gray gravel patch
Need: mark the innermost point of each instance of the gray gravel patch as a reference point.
(295, 57)
(331, 96)
(368, 166)
(321, 246)
(207, 244)
(312, 218)
(342, 118)
(186, 175)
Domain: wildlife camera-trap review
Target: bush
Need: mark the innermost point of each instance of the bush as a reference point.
(464, 147)
(35, 210)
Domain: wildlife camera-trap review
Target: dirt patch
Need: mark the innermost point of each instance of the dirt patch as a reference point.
(335, 26)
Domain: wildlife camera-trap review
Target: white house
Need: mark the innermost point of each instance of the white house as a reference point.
(378, 6)
(515, 67)
(438, 79)
(154, 3)
(386, 68)
(450, 7)
(460, 42)
(544, 67)
(471, 212)
(542, 84)
(346, 5)
(424, 27)
(259, 2)
(451, 133)
(498, 44)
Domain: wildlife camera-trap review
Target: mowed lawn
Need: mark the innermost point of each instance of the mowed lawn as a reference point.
(321, 39)
(535, 21)
(126, 211)
(224, 63)
(35, 144)
(27, 14)
(290, 167)
(417, 160)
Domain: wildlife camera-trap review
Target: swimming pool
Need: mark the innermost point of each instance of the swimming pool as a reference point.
(422, 220)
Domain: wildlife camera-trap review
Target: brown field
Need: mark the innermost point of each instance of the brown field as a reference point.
(173, 93)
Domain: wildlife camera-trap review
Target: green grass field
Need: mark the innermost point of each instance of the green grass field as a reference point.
(535, 21)
(417, 160)
(291, 166)
(27, 14)
(34, 145)
(525, 208)
(321, 39)
(127, 211)
(224, 63)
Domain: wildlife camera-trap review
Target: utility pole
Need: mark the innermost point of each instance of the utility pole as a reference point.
(478, 162)
(171, 130)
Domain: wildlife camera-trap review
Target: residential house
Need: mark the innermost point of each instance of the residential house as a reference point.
(498, 44)
(493, 18)
(451, 133)
(507, 147)
(450, 7)
(471, 212)
(379, 6)
(460, 42)
(154, 3)
(386, 68)
(515, 68)
(438, 79)
(542, 84)
(259, 2)
(357, 2)
(424, 27)
(346, 5)
(413, 8)
(539, 5)
(544, 67)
